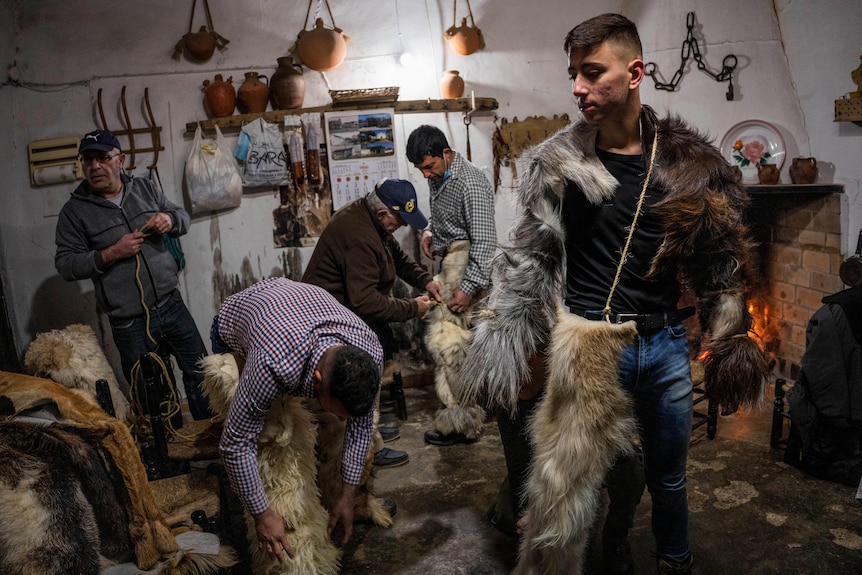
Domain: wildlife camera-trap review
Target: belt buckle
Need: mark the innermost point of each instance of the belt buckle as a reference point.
(624, 317)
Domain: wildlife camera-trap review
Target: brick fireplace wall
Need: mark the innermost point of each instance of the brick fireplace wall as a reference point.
(799, 247)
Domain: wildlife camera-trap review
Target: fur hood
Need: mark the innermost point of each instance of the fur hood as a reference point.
(705, 244)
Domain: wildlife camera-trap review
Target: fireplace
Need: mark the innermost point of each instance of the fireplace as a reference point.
(798, 231)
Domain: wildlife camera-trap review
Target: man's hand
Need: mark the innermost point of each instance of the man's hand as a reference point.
(435, 289)
(159, 223)
(423, 304)
(342, 513)
(459, 302)
(426, 244)
(127, 246)
(271, 536)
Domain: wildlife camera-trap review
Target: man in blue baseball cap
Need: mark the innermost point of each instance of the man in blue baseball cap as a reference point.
(357, 260)
(111, 231)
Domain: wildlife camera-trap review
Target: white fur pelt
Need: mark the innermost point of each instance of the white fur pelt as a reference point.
(73, 357)
(448, 338)
(582, 423)
(287, 466)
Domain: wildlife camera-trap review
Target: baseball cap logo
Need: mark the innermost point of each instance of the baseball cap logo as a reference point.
(409, 206)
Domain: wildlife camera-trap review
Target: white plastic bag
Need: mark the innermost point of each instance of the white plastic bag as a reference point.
(212, 176)
(266, 163)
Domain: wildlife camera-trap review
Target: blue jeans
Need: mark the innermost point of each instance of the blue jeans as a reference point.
(656, 370)
(175, 332)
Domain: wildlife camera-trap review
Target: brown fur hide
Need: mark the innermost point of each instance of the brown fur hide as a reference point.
(73, 357)
(76, 492)
(448, 338)
(582, 423)
(287, 465)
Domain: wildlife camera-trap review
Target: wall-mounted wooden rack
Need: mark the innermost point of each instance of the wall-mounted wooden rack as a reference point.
(796, 189)
(401, 107)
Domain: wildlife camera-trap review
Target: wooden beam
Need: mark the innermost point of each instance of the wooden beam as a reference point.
(428, 106)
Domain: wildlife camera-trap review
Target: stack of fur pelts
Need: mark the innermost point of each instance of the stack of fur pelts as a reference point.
(73, 357)
(286, 462)
(74, 496)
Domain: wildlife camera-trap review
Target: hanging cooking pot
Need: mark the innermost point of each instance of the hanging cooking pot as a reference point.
(851, 268)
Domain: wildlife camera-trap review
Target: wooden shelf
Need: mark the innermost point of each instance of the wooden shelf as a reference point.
(401, 107)
(797, 189)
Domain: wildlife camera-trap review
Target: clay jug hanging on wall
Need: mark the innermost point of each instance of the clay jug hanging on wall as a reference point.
(451, 84)
(287, 85)
(321, 48)
(252, 95)
(464, 39)
(220, 96)
(200, 45)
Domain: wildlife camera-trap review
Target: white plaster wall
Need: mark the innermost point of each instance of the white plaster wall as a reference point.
(795, 58)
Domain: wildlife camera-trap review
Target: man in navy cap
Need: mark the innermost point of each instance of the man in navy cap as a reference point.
(357, 260)
(111, 231)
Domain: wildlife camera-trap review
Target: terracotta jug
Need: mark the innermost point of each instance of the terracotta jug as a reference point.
(767, 174)
(451, 84)
(464, 39)
(200, 45)
(252, 95)
(803, 171)
(287, 85)
(220, 96)
(322, 48)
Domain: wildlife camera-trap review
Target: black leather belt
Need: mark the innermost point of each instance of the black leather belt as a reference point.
(646, 322)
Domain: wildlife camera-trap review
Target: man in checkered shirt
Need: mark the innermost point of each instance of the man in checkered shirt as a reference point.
(296, 339)
(462, 216)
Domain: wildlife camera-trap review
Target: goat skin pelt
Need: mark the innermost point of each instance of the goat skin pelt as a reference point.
(706, 245)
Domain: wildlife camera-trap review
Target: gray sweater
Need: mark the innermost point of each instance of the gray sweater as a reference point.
(89, 224)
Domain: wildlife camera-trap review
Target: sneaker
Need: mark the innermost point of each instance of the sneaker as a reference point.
(389, 433)
(434, 437)
(617, 557)
(668, 566)
(390, 458)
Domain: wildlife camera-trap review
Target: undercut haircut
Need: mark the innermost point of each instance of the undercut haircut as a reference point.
(612, 28)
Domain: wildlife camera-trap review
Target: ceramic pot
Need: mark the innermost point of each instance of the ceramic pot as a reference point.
(200, 45)
(287, 85)
(803, 171)
(252, 95)
(451, 84)
(220, 96)
(322, 48)
(767, 174)
(464, 39)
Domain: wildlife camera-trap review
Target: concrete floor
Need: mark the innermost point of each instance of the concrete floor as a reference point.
(750, 513)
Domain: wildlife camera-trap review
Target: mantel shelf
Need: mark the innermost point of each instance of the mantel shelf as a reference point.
(796, 189)
(401, 107)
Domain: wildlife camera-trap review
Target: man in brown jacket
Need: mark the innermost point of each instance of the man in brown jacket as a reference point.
(357, 260)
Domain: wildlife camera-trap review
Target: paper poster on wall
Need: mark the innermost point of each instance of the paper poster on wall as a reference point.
(361, 150)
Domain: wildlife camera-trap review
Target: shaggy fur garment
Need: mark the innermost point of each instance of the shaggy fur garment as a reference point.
(151, 537)
(582, 423)
(706, 246)
(289, 471)
(447, 339)
(73, 357)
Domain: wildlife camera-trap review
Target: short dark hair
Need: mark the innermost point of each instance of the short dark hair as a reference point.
(354, 380)
(613, 28)
(426, 141)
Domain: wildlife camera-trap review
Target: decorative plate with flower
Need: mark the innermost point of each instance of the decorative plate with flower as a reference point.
(750, 143)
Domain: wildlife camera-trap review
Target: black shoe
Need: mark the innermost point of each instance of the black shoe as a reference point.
(387, 406)
(390, 458)
(434, 437)
(667, 566)
(617, 554)
(389, 433)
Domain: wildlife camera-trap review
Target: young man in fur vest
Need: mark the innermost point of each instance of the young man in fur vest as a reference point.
(621, 212)
(462, 231)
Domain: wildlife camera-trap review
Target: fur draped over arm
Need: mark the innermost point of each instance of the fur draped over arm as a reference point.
(707, 245)
(521, 308)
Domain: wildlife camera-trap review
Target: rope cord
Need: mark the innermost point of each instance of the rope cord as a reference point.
(455, 13)
(607, 310)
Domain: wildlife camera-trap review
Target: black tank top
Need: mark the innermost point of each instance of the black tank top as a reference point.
(596, 235)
